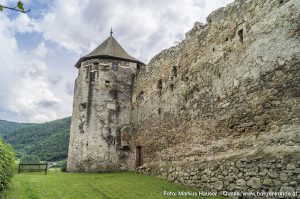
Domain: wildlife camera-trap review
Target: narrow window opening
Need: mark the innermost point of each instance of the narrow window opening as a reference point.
(139, 158)
(159, 111)
(213, 49)
(159, 84)
(226, 39)
(92, 76)
(159, 87)
(172, 87)
(87, 144)
(240, 33)
(174, 71)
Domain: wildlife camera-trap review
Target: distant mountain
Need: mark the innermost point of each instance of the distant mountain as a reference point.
(48, 140)
(7, 127)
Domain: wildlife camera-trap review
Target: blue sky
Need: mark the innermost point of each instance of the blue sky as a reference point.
(38, 50)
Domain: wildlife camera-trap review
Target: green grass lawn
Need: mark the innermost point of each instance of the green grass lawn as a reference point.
(57, 185)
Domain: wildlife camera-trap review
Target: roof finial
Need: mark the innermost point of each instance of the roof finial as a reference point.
(111, 32)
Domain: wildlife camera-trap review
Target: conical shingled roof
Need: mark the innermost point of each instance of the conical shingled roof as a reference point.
(110, 48)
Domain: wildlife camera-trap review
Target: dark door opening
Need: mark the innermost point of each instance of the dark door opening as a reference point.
(139, 156)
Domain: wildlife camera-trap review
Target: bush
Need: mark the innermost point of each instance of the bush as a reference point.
(64, 166)
(7, 164)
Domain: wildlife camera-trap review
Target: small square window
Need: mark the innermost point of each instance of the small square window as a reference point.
(115, 66)
(82, 106)
(107, 83)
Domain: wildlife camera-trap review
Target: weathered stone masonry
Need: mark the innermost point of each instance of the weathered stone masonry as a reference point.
(219, 111)
(101, 110)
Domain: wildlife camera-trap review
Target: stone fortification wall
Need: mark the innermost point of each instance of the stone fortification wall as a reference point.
(221, 110)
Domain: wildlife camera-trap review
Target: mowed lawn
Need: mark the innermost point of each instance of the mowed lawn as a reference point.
(57, 185)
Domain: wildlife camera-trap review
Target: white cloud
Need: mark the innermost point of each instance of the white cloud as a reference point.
(23, 24)
(22, 79)
(143, 27)
(37, 83)
(41, 50)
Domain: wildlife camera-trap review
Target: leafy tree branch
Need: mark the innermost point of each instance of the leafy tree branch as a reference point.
(19, 8)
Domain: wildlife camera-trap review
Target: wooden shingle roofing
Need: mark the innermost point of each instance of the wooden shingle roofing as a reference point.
(110, 48)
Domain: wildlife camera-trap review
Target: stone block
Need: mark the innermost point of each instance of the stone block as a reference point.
(241, 182)
(254, 182)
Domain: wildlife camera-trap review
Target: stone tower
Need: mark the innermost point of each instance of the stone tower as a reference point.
(100, 129)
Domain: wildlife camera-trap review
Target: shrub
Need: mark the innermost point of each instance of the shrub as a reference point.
(64, 166)
(7, 164)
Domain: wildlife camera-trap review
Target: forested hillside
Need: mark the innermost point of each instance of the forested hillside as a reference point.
(48, 140)
(7, 127)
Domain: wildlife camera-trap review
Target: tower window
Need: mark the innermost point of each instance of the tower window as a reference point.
(115, 66)
(174, 71)
(107, 83)
(172, 87)
(139, 156)
(241, 35)
(82, 106)
(159, 86)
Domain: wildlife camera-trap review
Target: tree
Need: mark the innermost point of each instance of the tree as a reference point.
(29, 159)
(19, 7)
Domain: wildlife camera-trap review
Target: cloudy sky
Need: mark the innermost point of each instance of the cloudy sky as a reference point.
(38, 50)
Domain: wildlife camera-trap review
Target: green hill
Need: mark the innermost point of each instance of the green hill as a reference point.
(48, 140)
(7, 127)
